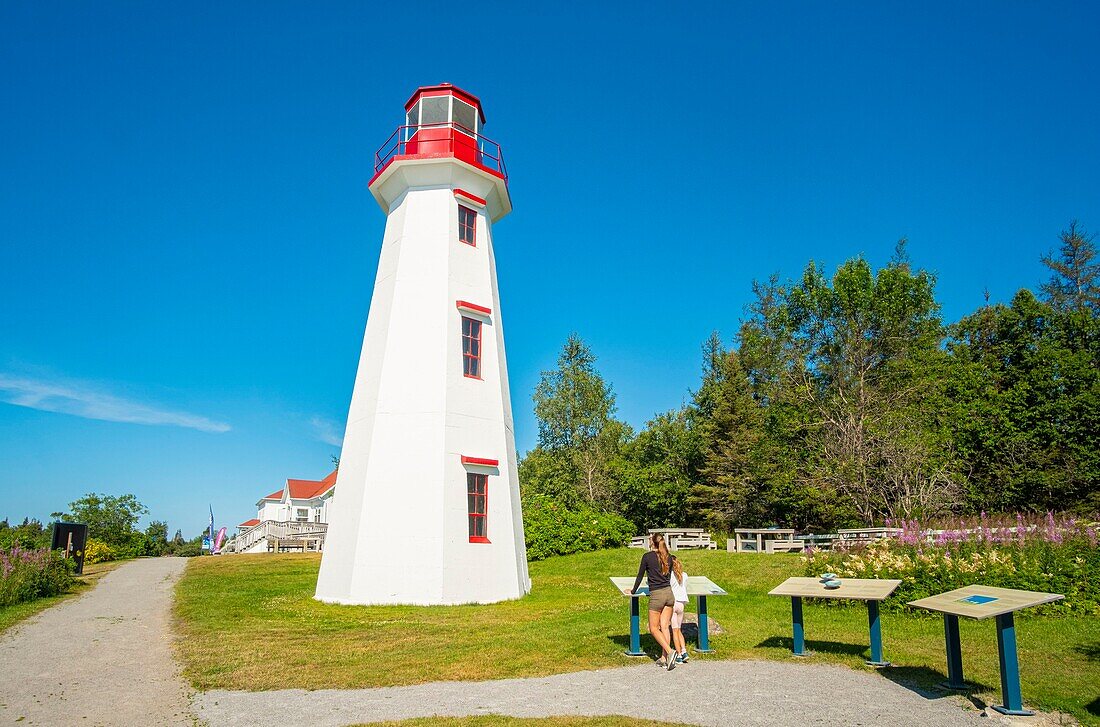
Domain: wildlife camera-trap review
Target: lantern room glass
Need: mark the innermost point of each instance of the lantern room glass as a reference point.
(446, 110)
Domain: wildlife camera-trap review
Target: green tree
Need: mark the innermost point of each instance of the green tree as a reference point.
(734, 473)
(156, 538)
(1026, 386)
(654, 474)
(109, 518)
(848, 367)
(1075, 284)
(575, 409)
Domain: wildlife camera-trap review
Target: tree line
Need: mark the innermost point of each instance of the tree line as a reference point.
(113, 530)
(847, 400)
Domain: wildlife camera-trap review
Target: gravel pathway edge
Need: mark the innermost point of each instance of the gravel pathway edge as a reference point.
(703, 693)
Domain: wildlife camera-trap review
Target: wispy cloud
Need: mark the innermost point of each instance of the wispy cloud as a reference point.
(86, 401)
(325, 431)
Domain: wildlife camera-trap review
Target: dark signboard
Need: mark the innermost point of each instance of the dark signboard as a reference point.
(71, 538)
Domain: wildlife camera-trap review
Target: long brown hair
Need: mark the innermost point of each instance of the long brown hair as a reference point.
(657, 542)
(678, 569)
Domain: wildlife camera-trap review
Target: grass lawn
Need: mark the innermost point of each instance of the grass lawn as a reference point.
(11, 615)
(495, 720)
(250, 622)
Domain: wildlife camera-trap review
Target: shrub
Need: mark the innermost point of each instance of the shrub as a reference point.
(190, 549)
(30, 535)
(1052, 555)
(29, 574)
(96, 551)
(551, 528)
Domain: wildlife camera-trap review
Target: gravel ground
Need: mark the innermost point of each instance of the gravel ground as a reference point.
(704, 693)
(104, 658)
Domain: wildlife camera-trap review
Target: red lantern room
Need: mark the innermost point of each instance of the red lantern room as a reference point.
(442, 121)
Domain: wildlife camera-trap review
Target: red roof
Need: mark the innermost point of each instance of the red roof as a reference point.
(305, 489)
(308, 489)
(249, 523)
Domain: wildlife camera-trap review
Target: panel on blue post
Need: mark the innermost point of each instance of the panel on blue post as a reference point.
(954, 653)
(635, 634)
(799, 647)
(1010, 668)
(704, 626)
(875, 628)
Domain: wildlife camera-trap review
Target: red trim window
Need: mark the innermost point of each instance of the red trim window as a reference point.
(467, 225)
(471, 348)
(477, 500)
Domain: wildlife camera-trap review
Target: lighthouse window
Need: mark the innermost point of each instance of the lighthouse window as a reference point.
(414, 115)
(477, 493)
(465, 115)
(434, 110)
(471, 348)
(467, 225)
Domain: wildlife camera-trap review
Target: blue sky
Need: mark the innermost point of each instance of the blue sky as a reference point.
(187, 245)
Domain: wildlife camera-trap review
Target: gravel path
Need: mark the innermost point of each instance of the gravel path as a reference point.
(711, 693)
(104, 658)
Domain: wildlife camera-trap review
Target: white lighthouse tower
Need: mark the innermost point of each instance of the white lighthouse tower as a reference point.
(426, 508)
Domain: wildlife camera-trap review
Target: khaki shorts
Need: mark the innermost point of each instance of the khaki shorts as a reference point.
(660, 598)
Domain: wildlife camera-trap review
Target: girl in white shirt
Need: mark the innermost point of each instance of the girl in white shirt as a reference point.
(678, 580)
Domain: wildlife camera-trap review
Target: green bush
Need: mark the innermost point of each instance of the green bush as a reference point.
(30, 535)
(551, 528)
(189, 549)
(29, 574)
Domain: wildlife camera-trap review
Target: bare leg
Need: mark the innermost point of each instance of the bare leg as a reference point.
(678, 640)
(666, 619)
(658, 628)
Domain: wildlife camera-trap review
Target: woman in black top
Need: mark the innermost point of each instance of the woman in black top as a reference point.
(656, 566)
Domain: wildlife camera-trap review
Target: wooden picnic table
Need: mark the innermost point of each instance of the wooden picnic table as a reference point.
(755, 537)
(699, 586)
(869, 590)
(982, 602)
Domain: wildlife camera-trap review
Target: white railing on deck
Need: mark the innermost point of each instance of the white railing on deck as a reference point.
(276, 529)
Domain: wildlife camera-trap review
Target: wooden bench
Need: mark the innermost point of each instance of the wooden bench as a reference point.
(784, 546)
(677, 539)
(692, 542)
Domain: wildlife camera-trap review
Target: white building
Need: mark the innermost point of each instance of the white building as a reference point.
(297, 511)
(427, 507)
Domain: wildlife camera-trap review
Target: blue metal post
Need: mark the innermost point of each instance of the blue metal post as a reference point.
(876, 635)
(1010, 668)
(954, 653)
(704, 626)
(635, 635)
(799, 635)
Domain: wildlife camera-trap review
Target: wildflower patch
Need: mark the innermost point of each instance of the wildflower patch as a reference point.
(1056, 554)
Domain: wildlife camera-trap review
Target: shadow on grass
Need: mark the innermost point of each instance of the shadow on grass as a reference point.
(1089, 651)
(649, 644)
(1093, 707)
(825, 647)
